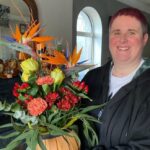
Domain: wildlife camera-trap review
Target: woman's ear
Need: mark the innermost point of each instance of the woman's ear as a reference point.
(145, 38)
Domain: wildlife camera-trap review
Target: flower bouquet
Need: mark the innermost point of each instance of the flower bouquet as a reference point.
(48, 102)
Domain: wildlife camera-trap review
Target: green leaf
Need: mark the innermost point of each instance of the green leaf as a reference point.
(88, 118)
(19, 139)
(32, 79)
(32, 141)
(57, 119)
(46, 89)
(7, 107)
(17, 126)
(50, 116)
(90, 108)
(41, 144)
(78, 93)
(33, 91)
(12, 146)
(6, 125)
(15, 107)
(43, 119)
(89, 133)
(54, 130)
(21, 97)
(9, 135)
(71, 122)
(2, 105)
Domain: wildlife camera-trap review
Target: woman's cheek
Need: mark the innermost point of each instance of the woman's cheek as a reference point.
(113, 41)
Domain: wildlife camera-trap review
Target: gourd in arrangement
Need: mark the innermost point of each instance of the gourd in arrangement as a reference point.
(60, 143)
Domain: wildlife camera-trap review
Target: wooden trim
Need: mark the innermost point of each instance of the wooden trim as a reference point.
(33, 8)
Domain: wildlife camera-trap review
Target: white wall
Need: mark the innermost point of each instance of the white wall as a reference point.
(56, 15)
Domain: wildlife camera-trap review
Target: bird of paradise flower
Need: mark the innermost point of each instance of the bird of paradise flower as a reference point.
(20, 42)
(59, 58)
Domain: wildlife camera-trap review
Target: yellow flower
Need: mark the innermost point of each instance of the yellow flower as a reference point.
(25, 76)
(58, 76)
(29, 66)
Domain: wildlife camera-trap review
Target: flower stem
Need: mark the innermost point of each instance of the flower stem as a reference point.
(29, 125)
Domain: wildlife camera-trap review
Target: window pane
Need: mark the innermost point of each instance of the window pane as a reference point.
(83, 23)
(86, 44)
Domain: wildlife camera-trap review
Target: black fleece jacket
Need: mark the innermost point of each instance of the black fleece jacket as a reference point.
(126, 117)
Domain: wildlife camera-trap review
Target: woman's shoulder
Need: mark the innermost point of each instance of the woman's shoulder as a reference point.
(101, 68)
(104, 69)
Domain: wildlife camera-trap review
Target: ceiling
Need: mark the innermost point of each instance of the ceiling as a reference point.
(143, 5)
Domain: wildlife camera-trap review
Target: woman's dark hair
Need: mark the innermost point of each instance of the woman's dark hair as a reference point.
(133, 12)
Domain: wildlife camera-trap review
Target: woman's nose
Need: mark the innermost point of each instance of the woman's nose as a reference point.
(123, 38)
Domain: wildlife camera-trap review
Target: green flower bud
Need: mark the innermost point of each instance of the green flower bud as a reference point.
(58, 76)
(29, 66)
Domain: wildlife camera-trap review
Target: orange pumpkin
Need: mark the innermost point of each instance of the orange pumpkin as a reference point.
(60, 143)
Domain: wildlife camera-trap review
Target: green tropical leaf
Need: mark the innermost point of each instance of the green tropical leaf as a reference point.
(18, 127)
(54, 130)
(89, 133)
(33, 91)
(71, 122)
(43, 118)
(51, 116)
(6, 125)
(19, 139)
(2, 105)
(32, 141)
(7, 107)
(41, 144)
(90, 108)
(32, 79)
(88, 118)
(22, 97)
(9, 135)
(78, 93)
(11, 146)
(15, 107)
(46, 89)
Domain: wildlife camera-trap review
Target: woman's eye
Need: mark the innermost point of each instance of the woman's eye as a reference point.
(131, 33)
(116, 33)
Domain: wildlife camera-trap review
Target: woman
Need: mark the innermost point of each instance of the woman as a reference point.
(124, 84)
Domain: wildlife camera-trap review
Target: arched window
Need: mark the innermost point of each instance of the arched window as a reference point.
(89, 36)
(85, 36)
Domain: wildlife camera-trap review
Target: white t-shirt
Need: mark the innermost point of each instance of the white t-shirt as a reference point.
(115, 83)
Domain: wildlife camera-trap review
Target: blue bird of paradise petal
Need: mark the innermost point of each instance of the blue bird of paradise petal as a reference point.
(81, 62)
(9, 39)
(19, 47)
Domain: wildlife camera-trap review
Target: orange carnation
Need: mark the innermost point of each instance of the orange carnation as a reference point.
(45, 80)
(36, 106)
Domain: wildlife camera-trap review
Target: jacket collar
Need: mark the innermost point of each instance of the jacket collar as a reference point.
(140, 76)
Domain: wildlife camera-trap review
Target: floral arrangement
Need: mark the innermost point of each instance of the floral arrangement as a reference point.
(47, 102)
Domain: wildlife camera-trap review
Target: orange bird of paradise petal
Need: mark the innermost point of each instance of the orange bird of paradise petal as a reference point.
(17, 35)
(42, 39)
(33, 30)
(57, 59)
(30, 34)
(75, 56)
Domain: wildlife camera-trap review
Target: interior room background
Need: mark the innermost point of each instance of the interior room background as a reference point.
(59, 18)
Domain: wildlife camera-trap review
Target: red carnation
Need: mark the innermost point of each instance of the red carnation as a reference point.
(64, 105)
(15, 89)
(81, 86)
(45, 80)
(65, 91)
(24, 86)
(51, 98)
(74, 99)
(36, 106)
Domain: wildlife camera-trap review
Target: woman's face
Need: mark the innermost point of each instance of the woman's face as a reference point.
(126, 40)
